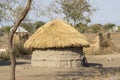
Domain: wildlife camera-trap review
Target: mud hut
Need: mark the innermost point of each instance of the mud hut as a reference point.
(56, 44)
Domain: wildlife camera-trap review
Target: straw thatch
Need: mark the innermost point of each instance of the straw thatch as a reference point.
(56, 34)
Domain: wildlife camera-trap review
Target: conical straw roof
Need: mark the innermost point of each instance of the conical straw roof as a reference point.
(56, 34)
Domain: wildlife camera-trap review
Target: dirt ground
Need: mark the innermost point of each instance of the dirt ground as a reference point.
(102, 67)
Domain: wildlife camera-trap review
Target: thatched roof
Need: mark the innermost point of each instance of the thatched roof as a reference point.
(56, 34)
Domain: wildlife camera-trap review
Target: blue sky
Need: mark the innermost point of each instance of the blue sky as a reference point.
(108, 11)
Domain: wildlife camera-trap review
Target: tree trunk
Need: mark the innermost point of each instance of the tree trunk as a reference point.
(12, 54)
(101, 41)
(12, 58)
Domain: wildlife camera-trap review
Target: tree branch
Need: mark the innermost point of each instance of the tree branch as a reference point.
(17, 23)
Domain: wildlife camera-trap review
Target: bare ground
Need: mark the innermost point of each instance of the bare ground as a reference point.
(102, 67)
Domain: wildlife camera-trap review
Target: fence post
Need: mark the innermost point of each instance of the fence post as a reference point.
(108, 36)
(100, 40)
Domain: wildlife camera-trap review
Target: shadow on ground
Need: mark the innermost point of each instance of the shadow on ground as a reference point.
(94, 70)
(95, 65)
(6, 63)
(77, 74)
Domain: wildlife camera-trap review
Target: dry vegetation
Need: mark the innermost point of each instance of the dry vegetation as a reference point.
(102, 67)
(25, 71)
(4, 41)
(113, 48)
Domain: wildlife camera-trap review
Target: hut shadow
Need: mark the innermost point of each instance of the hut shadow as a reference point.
(95, 65)
(4, 63)
(7, 63)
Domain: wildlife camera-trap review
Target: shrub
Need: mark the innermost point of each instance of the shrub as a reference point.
(4, 56)
(81, 28)
(20, 50)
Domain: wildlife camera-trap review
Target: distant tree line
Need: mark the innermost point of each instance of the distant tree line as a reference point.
(83, 28)
(96, 28)
(30, 27)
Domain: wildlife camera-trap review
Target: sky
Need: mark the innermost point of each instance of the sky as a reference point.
(108, 12)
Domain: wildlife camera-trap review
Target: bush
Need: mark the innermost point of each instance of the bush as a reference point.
(20, 50)
(5, 56)
(6, 29)
(95, 28)
(103, 51)
(81, 28)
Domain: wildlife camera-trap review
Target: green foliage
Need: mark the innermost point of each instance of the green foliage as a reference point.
(32, 27)
(73, 11)
(76, 10)
(2, 10)
(6, 29)
(20, 50)
(1, 15)
(5, 56)
(95, 28)
(11, 9)
(28, 26)
(81, 28)
(38, 24)
(108, 26)
(1, 41)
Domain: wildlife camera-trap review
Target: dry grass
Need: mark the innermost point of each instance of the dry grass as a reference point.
(27, 72)
(113, 48)
(115, 37)
(4, 41)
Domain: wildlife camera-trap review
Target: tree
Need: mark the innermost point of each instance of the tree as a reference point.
(6, 29)
(28, 26)
(2, 11)
(108, 26)
(17, 23)
(119, 28)
(38, 24)
(81, 28)
(95, 28)
(12, 9)
(74, 11)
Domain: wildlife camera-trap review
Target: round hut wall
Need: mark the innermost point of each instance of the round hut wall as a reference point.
(63, 57)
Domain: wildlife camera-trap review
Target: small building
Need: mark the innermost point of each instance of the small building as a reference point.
(56, 44)
(20, 33)
(114, 29)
